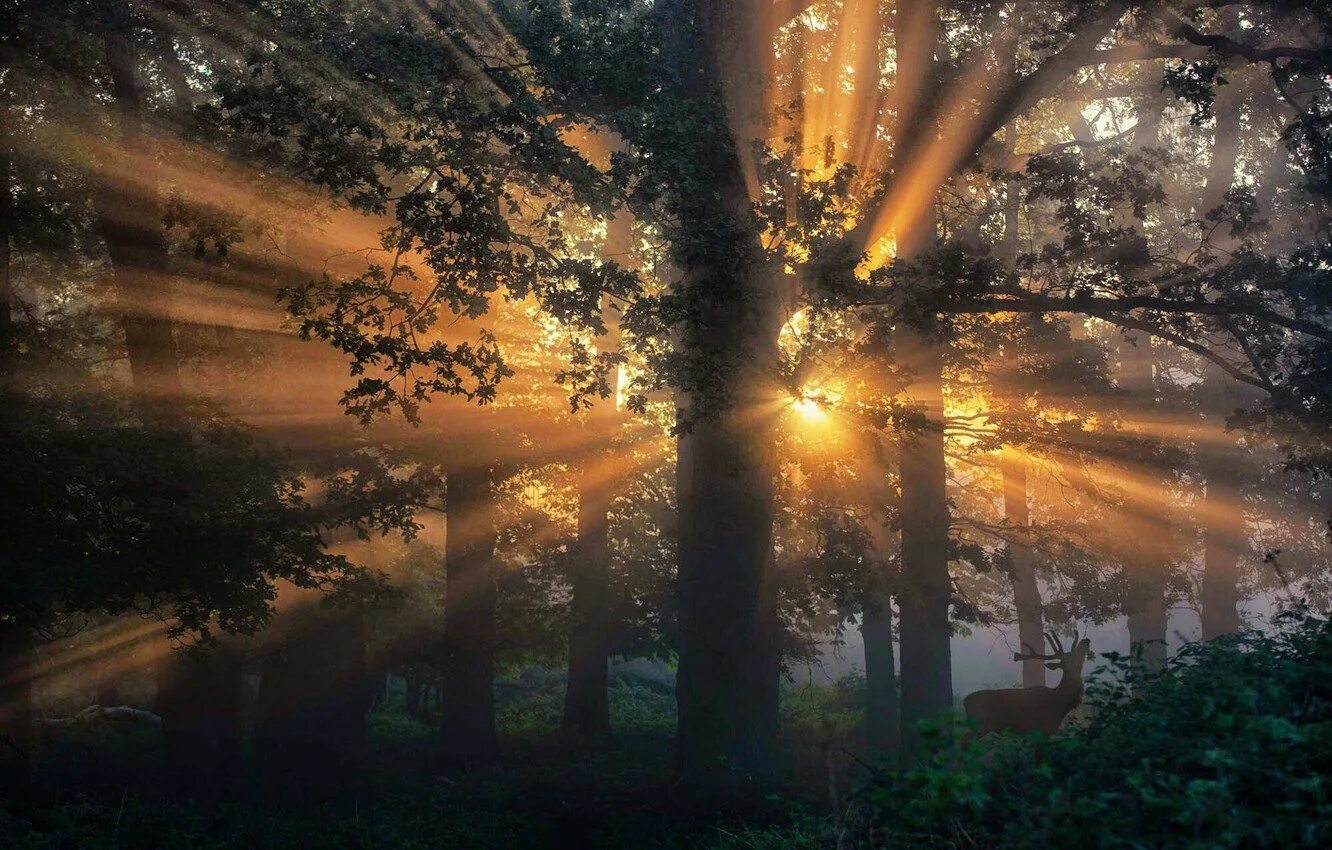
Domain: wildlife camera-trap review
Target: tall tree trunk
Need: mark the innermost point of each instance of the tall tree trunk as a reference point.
(869, 15)
(881, 699)
(314, 694)
(1148, 525)
(925, 586)
(591, 615)
(1223, 540)
(726, 684)
(467, 723)
(199, 699)
(1013, 471)
(1222, 513)
(413, 687)
(130, 218)
(1026, 592)
(726, 615)
(586, 702)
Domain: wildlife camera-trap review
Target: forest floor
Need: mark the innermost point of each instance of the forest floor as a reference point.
(538, 795)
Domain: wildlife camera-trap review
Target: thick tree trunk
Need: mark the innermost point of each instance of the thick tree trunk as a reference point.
(313, 697)
(467, 723)
(199, 700)
(881, 698)
(1026, 592)
(726, 686)
(586, 702)
(925, 587)
(129, 215)
(726, 638)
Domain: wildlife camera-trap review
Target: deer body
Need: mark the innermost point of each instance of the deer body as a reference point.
(1040, 709)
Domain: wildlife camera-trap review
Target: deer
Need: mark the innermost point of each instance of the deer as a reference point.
(1037, 709)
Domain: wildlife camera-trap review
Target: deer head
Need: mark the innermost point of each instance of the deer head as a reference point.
(1024, 710)
(1069, 662)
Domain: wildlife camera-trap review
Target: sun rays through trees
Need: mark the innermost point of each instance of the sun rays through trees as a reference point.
(414, 389)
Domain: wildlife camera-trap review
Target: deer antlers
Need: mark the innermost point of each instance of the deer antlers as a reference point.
(1055, 644)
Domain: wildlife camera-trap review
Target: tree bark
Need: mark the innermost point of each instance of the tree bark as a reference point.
(726, 637)
(726, 685)
(467, 722)
(1146, 520)
(1148, 525)
(199, 701)
(1222, 511)
(881, 698)
(925, 587)
(1026, 592)
(1223, 540)
(592, 609)
(130, 218)
(313, 697)
(586, 702)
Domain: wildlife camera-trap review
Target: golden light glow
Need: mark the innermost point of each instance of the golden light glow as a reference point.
(811, 409)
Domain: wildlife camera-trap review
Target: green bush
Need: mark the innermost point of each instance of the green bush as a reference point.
(1229, 746)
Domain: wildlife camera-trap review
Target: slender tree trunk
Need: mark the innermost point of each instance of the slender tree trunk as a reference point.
(1013, 471)
(1026, 592)
(586, 702)
(1148, 526)
(467, 723)
(129, 215)
(865, 100)
(592, 609)
(1223, 539)
(1222, 513)
(881, 698)
(925, 587)
(1147, 522)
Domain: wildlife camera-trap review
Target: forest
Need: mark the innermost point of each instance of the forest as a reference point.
(728, 424)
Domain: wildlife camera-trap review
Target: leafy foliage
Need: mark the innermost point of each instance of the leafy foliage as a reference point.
(1229, 746)
(191, 520)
